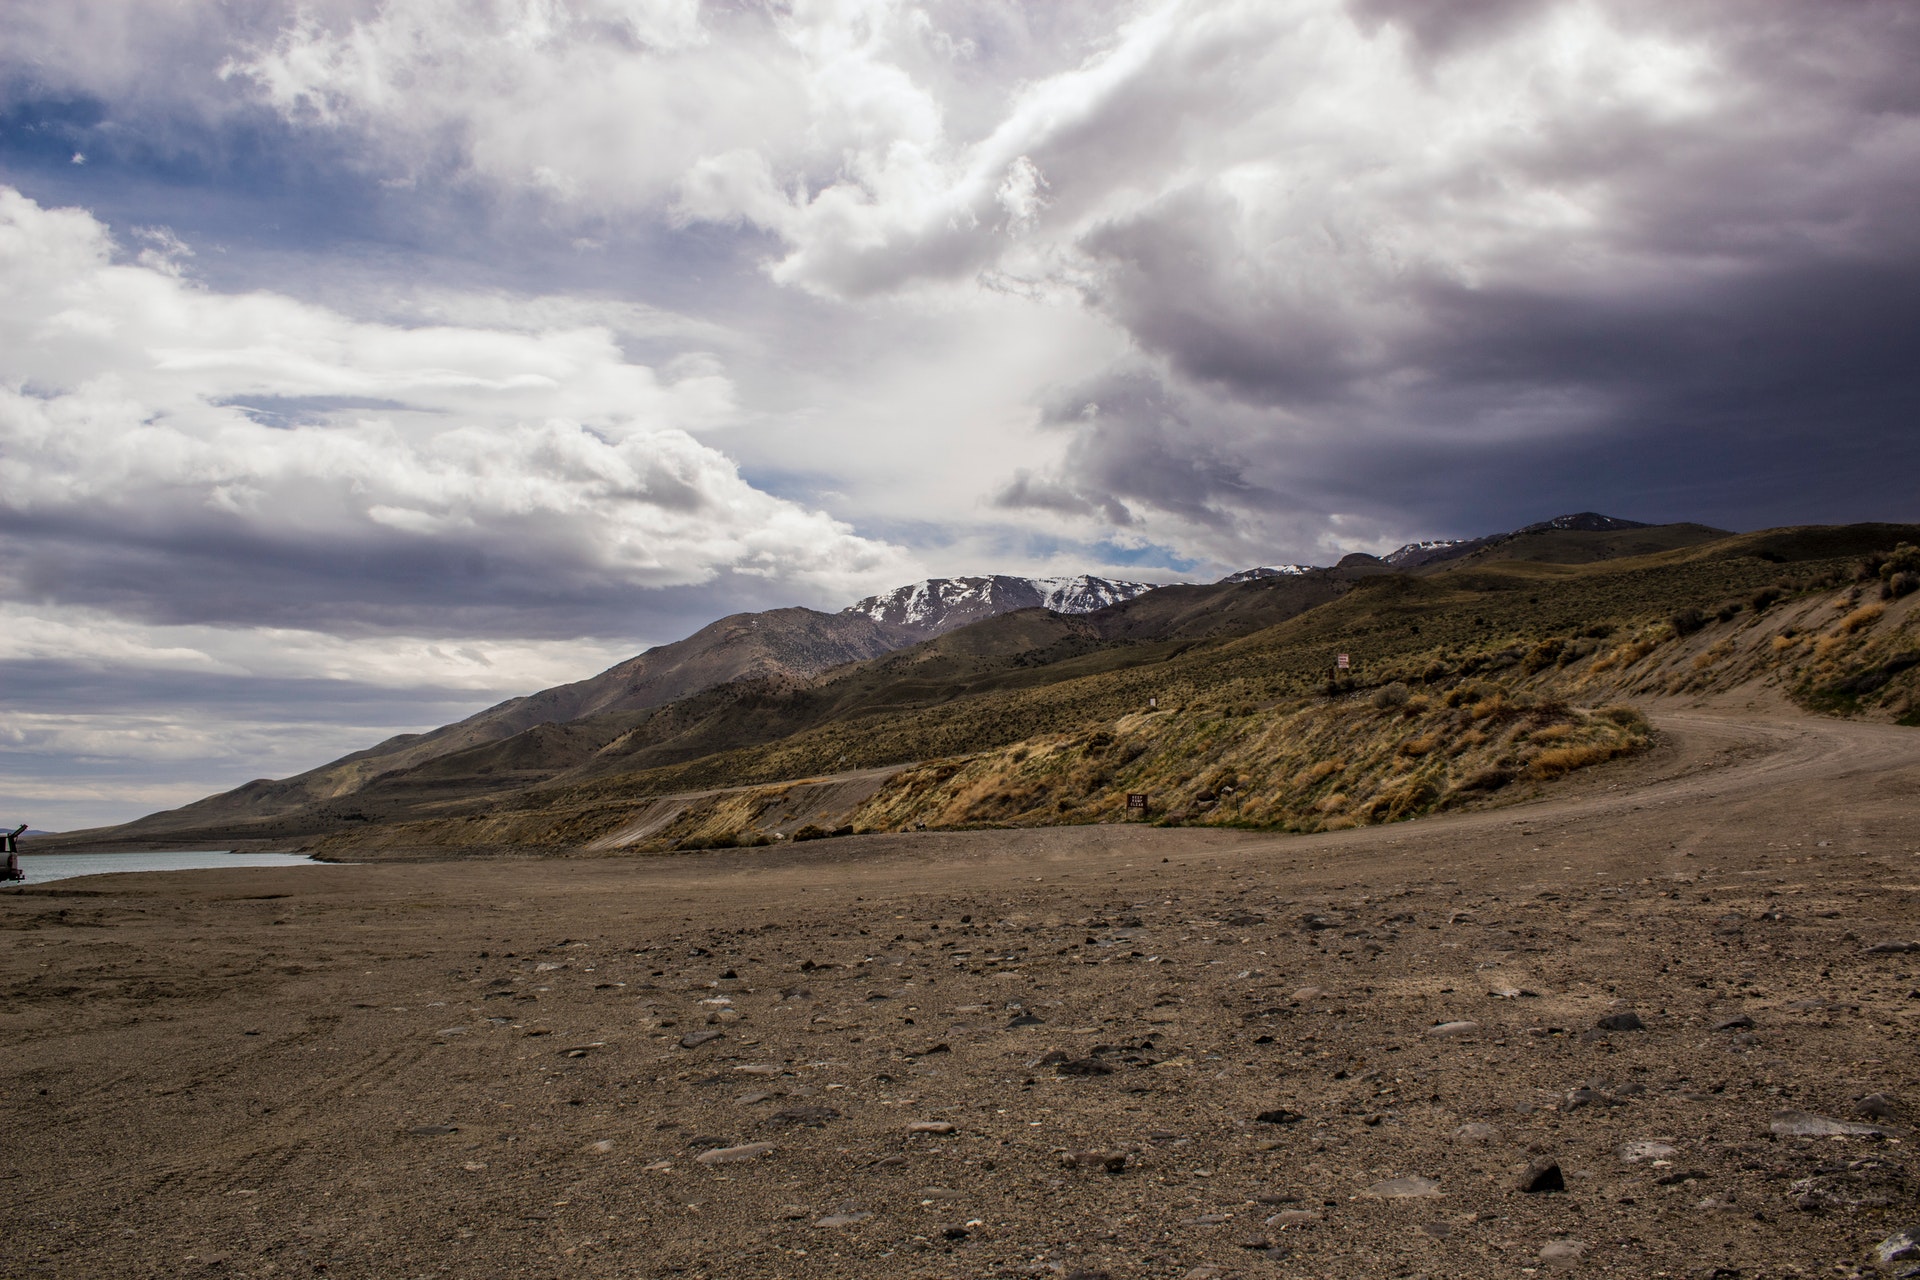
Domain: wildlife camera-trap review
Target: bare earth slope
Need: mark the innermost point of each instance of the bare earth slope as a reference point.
(1112, 1050)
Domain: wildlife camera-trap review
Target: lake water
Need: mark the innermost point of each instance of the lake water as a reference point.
(43, 867)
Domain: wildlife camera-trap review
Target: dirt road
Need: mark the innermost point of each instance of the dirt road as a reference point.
(1158, 1051)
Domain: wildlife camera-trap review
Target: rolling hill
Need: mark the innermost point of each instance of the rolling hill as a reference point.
(756, 699)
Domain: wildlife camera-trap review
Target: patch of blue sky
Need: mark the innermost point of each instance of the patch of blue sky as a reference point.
(284, 412)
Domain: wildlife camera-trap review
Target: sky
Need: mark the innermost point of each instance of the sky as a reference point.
(365, 362)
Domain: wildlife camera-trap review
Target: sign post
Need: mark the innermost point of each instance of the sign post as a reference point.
(1136, 803)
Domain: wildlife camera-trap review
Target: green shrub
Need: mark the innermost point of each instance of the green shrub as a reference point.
(1391, 695)
(1687, 621)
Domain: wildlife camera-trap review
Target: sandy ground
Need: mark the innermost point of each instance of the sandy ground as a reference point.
(521, 1068)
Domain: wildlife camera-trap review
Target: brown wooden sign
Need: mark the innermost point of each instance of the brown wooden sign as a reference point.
(1137, 800)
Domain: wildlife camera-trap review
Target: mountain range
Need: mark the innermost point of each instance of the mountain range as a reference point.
(916, 659)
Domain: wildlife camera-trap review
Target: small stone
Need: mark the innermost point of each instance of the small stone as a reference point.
(734, 1155)
(930, 1126)
(602, 1147)
(1877, 1105)
(1635, 1152)
(1542, 1175)
(1411, 1187)
(1625, 1020)
(1109, 1161)
(1898, 1247)
(1305, 994)
(1446, 1029)
(1293, 1218)
(848, 1219)
(939, 1193)
(1279, 1115)
(1505, 993)
(1476, 1131)
(1562, 1253)
(1740, 1022)
(1438, 1230)
(1084, 1067)
(1892, 948)
(1026, 1020)
(694, 1039)
(1805, 1124)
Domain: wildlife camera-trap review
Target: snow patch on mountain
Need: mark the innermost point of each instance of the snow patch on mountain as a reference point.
(1268, 571)
(937, 605)
(1420, 550)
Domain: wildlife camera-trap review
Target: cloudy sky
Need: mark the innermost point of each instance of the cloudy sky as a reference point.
(363, 362)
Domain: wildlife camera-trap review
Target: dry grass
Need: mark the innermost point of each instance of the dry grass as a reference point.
(1302, 766)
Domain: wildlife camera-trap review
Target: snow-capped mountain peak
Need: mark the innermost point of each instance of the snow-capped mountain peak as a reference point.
(938, 605)
(1268, 571)
(1420, 550)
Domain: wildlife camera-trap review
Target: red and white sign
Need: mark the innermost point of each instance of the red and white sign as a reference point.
(1341, 662)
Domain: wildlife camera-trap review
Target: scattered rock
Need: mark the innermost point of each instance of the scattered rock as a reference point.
(1476, 1131)
(1562, 1253)
(1026, 1020)
(1438, 1230)
(1892, 948)
(1446, 1029)
(694, 1039)
(1898, 1247)
(1293, 1218)
(1635, 1152)
(1084, 1067)
(1625, 1020)
(1805, 1124)
(1877, 1105)
(851, 1218)
(1306, 994)
(1411, 1187)
(1740, 1022)
(600, 1148)
(1542, 1175)
(1279, 1115)
(930, 1126)
(1106, 1161)
(734, 1155)
(939, 1193)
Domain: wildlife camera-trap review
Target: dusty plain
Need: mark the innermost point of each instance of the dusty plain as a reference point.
(1025, 1053)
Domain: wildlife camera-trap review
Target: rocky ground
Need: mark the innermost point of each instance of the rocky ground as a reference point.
(1661, 1024)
